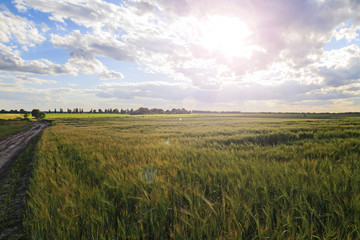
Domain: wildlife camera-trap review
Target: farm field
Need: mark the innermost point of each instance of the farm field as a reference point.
(11, 116)
(197, 177)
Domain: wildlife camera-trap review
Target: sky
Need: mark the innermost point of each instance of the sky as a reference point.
(220, 55)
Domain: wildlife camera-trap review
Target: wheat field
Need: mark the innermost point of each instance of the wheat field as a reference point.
(197, 177)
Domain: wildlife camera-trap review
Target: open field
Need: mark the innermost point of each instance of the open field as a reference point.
(11, 116)
(197, 177)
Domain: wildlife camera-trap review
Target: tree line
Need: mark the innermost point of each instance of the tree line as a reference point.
(139, 111)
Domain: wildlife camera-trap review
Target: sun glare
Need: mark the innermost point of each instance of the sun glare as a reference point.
(226, 35)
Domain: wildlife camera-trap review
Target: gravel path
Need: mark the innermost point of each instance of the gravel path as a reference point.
(11, 146)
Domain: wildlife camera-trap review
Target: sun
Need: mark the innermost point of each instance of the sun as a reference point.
(227, 36)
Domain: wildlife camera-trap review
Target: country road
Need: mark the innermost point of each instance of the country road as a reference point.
(11, 146)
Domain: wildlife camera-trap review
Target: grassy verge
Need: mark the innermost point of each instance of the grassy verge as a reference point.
(10, 127)
(198, 177)
(13, 187)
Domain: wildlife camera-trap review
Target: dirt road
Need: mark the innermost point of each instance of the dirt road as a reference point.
(11, 146)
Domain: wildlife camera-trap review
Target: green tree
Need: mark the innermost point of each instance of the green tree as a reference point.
(35, 113)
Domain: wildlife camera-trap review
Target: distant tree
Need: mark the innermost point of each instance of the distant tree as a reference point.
(55, 110)
(61, 110)
(35, 113)
(141, 111)
(100, 111)
(183, 111)
(3, 111)
(116, 110)
(22, 111)
(157, 111)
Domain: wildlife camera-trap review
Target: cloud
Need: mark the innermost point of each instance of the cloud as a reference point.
(18, 28)
(105, 44)
(10, 61)
(285, 58)
(288, 92)
(228, 92)
(81, 13)
(340, 67)
(84, 61)
(16, 32)
(286, 30)
(107, 75)
(32, 80)
(348, 33)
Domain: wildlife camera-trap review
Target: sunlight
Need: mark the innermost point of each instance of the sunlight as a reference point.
(227, 35)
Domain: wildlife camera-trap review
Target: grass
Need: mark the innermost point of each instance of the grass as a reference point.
(197, 177)
(10, 127)
(11, 116)
(13, 186)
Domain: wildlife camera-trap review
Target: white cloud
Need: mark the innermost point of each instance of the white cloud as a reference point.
(283, 57)
(348, 33)
(288, 31)
(105, 44)
(32, 80)
(18, 28)
(82, 58)
(340, 67)
(85, 62)
(107, 75)
(21, 79)
(10, 61)
(15, 32)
